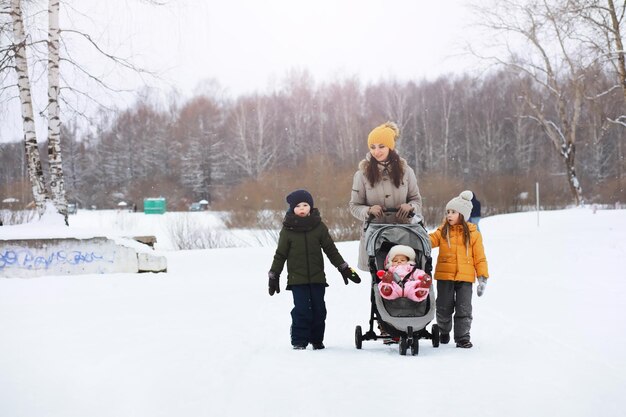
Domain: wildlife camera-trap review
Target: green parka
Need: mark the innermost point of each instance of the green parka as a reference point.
(300, 244)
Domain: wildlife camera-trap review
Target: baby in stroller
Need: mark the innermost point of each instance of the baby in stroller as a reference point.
(402, 277)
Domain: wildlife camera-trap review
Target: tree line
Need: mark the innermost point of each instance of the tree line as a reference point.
(456, 130)
(551, 112)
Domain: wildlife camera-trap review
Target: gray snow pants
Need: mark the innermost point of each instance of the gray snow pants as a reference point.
(455, 297)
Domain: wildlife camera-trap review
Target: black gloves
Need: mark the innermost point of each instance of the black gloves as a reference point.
(348, 274)
(273, 282)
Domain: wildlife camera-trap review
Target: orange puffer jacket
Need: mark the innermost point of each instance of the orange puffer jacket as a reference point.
(455, 261)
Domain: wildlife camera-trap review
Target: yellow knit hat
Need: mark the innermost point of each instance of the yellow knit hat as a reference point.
(385, 134)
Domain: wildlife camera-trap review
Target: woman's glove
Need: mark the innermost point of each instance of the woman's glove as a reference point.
(482, 286)
(404, 210)
(348, 273)
(376, 211)
(273, 282)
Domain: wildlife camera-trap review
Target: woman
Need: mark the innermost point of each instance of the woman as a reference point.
(384, 180)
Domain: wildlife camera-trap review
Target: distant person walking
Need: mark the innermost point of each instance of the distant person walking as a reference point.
(383, 181)
(475, 214)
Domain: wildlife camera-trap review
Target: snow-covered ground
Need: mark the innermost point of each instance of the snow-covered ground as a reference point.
(205, 339)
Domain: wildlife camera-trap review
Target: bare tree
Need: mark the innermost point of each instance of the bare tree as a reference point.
(253, 150)
(298, 116)
(398, 109)
(345, 104)
(555, 70)
(197, 130)
(605, 19)
(602, 32)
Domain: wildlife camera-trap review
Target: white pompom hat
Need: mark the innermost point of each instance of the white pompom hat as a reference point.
(400, 250)
(462, 204)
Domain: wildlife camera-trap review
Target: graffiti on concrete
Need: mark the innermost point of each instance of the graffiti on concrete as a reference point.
(25, 258)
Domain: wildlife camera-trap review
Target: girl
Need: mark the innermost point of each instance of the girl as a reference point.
(384, 180)
(461, 259)
(300, 244)
(403, 278)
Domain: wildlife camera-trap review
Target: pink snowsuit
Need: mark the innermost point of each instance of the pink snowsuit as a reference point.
(416, 286)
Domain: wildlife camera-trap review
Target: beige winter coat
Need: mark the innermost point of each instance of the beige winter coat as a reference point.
(384, 194)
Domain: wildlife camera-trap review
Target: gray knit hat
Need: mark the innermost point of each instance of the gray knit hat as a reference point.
(462, 204)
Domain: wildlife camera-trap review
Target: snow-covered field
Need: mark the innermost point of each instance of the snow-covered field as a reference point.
(205, 339)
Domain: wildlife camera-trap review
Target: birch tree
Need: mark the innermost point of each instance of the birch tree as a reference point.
(41, 193)
(15, 56)
(55, 166)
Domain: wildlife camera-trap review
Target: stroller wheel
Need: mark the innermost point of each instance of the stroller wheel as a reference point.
(415, 347)
(413, 340)
(435, 331)
(358, 337)
(402, 346)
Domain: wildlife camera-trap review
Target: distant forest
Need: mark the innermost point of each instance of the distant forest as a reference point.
(457, 132)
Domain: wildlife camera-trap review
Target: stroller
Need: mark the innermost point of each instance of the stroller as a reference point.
(401, 319)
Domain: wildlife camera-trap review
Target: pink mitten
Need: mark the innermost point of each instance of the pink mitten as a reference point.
(421, 294)
(385, 290)
(389, 291)
(413, 292)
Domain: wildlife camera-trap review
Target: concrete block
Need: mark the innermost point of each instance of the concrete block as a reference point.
(147, 262)
(63, 256)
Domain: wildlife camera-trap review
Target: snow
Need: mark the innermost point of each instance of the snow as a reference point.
(115, 223)
(206, 338)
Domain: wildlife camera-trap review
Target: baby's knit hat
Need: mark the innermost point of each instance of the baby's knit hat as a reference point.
(385, 134)
(299, 196)
(400, 250)
(462, 204)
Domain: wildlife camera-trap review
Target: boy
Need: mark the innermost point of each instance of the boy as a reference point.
(300, 244)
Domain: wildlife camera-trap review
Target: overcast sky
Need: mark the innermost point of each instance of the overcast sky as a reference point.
(249, 45)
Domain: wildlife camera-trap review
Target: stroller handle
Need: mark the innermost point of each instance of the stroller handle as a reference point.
(385, 211)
